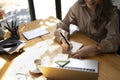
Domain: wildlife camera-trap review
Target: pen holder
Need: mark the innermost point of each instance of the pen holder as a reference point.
(13, 29)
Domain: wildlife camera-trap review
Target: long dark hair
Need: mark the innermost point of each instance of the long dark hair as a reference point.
(104, 11)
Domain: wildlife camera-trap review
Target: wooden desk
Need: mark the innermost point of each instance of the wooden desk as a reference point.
(7, 60)
(109, 64)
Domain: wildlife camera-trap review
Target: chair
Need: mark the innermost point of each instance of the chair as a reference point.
(118, 12)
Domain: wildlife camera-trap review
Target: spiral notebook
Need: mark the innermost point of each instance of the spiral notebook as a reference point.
(11, 48)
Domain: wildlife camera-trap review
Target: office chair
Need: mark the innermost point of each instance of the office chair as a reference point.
(118, 12)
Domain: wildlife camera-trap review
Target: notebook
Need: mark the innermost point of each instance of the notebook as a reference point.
(76, 46)
(35, 33)
(75, 70)
(13, 46)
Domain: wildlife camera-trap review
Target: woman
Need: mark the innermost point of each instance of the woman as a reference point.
(98, 20)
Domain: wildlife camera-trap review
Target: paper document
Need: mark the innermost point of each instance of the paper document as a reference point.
(35, 33)
(61, 57)
(76, 46)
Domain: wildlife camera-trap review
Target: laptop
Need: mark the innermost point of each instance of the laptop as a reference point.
(76, 69)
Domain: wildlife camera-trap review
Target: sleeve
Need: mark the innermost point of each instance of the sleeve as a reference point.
(64, 24)
(112, 40)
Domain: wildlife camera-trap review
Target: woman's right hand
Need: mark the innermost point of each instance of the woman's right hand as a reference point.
(65, 47)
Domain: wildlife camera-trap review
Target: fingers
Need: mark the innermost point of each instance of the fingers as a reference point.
(70, 46)
(78, 54)
(75, 55)
(66, 47)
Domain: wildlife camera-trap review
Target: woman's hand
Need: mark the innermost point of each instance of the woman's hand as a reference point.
(86, 51)
(65, 47)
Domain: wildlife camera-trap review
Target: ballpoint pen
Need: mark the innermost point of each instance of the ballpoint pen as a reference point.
(65, 39)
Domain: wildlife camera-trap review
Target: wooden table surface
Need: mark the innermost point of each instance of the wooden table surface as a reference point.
(109, 64)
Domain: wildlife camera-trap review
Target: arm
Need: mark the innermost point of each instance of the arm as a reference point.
(112, 40)
(63, 26)
(109, 44)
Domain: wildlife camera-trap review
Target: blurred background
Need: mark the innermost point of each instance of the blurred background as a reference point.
(19, 9)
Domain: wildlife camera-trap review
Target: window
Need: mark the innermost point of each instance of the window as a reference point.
(66, 4)
(15, 9)
(44, 8)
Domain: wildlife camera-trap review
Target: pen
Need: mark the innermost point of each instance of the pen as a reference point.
(65, 39)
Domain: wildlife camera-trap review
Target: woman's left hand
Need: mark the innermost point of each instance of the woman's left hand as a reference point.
(86, 51)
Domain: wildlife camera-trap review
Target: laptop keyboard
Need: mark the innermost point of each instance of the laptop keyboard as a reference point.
(79, 69)
(81, 65)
